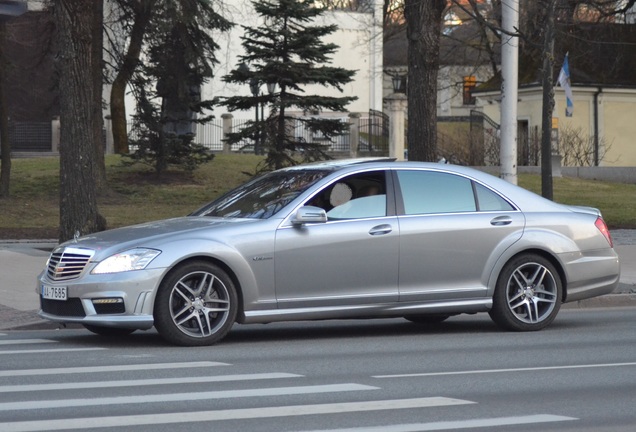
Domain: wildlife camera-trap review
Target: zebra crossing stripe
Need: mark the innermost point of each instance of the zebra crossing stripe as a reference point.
(49, 351)
(458, 425)
(115, 368)
(180, 397)
(231, 414)
(25, 341)
(145, 382)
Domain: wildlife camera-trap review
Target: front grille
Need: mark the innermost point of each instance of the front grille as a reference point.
(68, 308)
(68, 263)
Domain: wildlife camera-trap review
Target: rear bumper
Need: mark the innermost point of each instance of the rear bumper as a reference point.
(592, 274)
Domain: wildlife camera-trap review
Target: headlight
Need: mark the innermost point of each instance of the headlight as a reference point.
(133, 259)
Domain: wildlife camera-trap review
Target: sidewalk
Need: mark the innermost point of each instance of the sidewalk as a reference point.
(22, 261)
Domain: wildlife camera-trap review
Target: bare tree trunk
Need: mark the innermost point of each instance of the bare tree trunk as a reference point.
(142, 11)
(548, 101)
(423, 21)
(78, 197)
(5, 144)
(97, 69)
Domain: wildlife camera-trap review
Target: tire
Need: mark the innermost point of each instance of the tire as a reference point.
(196, 305)
(108, 331)
(528, 294)
(427, 319)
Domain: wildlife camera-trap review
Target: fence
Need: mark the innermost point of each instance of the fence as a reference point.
(30, 136)
(372, 130)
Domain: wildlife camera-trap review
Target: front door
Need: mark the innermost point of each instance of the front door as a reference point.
(352, 259)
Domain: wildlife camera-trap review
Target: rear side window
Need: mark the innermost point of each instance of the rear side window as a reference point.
(426, 192)
(490, 201)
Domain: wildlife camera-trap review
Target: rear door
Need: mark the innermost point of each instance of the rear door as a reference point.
(452, 232)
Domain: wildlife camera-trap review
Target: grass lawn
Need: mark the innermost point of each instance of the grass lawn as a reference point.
(136, 195)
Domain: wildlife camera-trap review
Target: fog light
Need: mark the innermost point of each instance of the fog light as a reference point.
(112, 300)
(109, 306)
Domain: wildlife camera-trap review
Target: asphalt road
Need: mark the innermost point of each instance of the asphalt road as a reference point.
(379, 375)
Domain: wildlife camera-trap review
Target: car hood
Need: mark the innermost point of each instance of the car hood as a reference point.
(151, 233)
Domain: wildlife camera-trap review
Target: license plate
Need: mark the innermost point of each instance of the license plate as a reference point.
(53, 292)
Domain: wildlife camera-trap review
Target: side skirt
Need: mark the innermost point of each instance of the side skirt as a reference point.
(386, 310)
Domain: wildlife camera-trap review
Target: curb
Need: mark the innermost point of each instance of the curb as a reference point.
(610, 300)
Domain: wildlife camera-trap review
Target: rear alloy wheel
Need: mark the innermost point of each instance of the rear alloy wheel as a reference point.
(196, 305)
(108, 331)
(528, 294)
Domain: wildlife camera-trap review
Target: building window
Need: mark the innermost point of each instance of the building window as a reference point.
(469, 85)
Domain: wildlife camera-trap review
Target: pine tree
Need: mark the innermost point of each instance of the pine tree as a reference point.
(179, 60)
(286, 50)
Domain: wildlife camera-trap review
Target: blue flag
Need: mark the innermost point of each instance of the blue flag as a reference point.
(564, 81)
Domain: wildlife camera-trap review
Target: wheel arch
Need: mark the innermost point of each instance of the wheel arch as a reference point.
(544, 254)
(254, 281)
(212, 260)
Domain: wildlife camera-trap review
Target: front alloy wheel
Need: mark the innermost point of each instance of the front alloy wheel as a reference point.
(196, 305)
(528, 294)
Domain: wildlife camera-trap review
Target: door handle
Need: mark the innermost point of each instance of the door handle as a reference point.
(501, 221)
(380, 230)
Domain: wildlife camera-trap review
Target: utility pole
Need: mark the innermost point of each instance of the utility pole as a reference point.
(509, 89)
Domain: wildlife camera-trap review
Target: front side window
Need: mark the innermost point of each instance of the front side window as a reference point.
(428, 192)
(355, 197)
(263, 196)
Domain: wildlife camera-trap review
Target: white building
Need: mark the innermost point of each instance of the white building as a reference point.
(359, 37)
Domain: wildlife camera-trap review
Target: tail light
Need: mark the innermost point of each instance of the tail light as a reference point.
(602, 227)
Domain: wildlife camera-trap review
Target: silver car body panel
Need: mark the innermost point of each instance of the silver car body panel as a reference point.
(453, 253)
(352, 262)
(382, 266)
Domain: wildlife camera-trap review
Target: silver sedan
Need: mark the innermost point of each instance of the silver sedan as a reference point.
(342, 239)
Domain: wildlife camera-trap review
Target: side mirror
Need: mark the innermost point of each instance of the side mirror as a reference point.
(309, 214)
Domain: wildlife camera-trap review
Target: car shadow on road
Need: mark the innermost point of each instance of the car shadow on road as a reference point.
(333, 330)
(300, 331)
(289, 331)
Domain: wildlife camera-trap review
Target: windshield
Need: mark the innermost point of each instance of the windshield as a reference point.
(263, 196)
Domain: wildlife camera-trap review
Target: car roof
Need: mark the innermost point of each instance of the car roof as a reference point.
(336, 164)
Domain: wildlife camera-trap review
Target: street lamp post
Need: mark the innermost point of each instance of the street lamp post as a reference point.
(255, 89)
(397, 102)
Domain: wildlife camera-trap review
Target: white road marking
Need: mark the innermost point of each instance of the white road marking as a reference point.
(232, 414)
(119, 368)
(25, 341)
(459, 424)
(145, 382)
(179, 397)
(490, 371)
(48, 351)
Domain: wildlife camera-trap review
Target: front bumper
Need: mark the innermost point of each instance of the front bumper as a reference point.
(121, 300)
